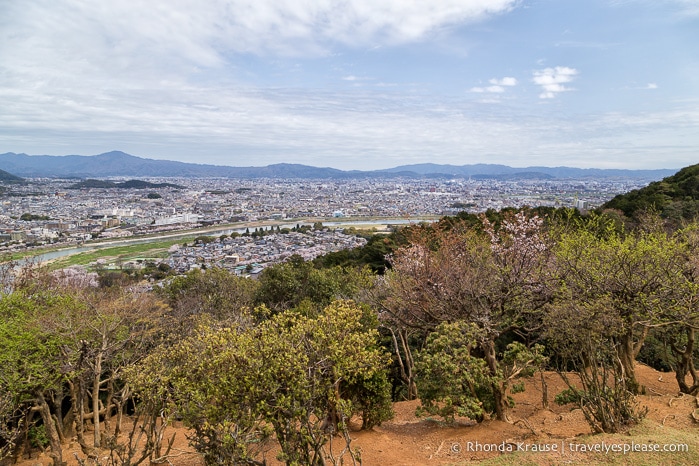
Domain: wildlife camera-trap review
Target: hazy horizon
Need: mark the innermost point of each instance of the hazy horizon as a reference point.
(336, 168)
(355, 84)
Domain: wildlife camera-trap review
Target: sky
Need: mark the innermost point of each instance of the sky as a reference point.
(354, 84)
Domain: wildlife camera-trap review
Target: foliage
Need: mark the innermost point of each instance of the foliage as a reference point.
(675, 197)
(12, 418)
(454, 381)
(495, 278)
(297, 283)
(30, 364)
(27, 217)
(285, 377)
(451, 380)
(37, 437)
(214, 291)
(28, 356)
(584, 339)
(204, 239)
(639, 274)
(373, 254)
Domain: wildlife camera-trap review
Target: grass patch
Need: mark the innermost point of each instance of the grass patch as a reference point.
(645, 435)
(154, 249)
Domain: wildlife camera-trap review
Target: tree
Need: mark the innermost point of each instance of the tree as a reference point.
(64, 344)
(288, 285)
(286, 377)
(680, 333)
(215, 291)
(454, 381)
(637, 273)
(496, 279)
(584, 336)
(30, 370)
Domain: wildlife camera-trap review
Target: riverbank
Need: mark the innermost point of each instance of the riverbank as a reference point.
(145, 246)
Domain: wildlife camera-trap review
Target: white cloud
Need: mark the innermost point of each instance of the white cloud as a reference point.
(651, 86)
(59, 47)
(357, 129)
(203, 32)
(506, 81)
(491, 89)
(161, 78)
(497, 86)
(551, 80)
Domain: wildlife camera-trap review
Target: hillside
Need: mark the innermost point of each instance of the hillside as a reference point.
(9, 177)
(131, 184)
(408, 440)
(675, 197)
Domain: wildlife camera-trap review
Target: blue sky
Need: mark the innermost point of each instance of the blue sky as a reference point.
(354, 84)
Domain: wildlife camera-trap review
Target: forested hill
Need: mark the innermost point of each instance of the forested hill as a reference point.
(131, 184)
(675, 197)
(5, 176)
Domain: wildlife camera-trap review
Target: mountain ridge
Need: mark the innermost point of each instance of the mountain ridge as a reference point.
(121, 164)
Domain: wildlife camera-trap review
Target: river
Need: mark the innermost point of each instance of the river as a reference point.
(207, 232)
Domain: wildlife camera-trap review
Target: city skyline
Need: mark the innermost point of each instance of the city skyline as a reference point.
(355, 84)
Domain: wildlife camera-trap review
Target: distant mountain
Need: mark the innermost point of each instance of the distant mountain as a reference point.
(131, 184)
(121, 164)
(675, 197)
(515, 176)
(101, 166)
(117, 163)
(9, 177)
(482, 170)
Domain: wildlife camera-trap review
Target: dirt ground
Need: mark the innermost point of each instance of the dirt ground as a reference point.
(407, 440)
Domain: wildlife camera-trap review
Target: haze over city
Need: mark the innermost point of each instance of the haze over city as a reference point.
(355, 84)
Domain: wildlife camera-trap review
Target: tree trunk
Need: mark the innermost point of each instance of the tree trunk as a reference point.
(97, 376)
(544, 391)
(57, 404)
(77, 400)
(628, 349)
(685, 364)
(22, 438)
(405, 362)
(108, 406)
(499, 395)
(56, 453)
(123, 398)
(69, 424)
(409, 365)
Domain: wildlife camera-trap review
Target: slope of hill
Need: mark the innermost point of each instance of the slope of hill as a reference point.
(9, 177)
(675, 197)
(411, 440)
(140, 184)
(131, 184)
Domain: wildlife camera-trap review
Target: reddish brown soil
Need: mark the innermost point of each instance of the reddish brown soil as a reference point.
(407, 440)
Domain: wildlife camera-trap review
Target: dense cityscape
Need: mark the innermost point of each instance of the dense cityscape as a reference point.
(64, 213)
(47, 211)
